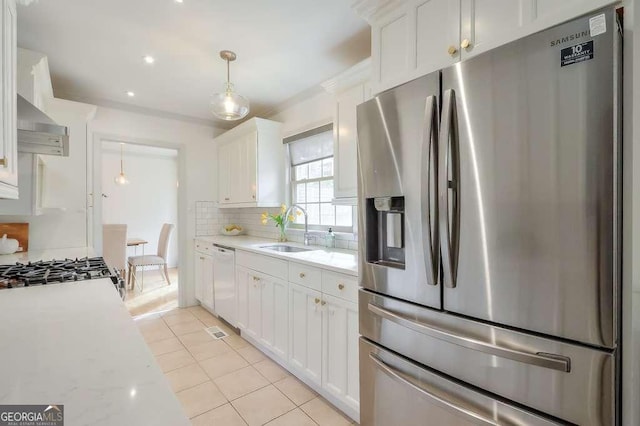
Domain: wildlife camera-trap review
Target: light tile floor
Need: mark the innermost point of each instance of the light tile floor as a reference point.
(229, 382)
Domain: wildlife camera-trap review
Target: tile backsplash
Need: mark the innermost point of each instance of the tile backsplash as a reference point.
(210, 219)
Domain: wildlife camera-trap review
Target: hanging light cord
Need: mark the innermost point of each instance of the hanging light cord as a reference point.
(121, 158)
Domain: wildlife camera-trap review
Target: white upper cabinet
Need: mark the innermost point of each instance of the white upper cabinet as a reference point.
(411, 38)
(8, 130)
(436, 20)
(251, 165)
(350, 89)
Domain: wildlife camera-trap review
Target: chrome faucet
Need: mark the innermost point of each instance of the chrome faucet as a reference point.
(307, 237)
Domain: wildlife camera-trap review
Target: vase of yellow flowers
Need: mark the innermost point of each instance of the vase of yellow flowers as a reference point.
(281, 220)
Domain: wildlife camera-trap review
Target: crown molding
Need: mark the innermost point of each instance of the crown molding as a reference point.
(359, 73)
(371, 10)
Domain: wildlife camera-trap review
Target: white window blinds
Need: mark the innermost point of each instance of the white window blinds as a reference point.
(311, 146)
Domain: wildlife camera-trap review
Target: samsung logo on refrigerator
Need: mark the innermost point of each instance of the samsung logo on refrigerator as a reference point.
(569, 38)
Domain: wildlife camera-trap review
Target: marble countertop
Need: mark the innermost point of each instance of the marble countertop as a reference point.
(344, 261)
(76, 344)
(49, 254)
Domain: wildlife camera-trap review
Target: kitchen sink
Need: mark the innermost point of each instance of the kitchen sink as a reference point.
(285, 248)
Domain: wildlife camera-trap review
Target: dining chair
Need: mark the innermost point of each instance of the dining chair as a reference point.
(114, 246)
(159, 259)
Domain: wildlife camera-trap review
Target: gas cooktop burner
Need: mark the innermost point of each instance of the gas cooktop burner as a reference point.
(57, 271)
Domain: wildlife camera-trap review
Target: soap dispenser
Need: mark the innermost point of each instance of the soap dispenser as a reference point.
(330, 239)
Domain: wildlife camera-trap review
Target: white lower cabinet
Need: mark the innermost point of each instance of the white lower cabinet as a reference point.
(305, 332)
(340, 349)
(263, 309)
(242, 283)
(312, 333)
(204, 280)
(275, 318)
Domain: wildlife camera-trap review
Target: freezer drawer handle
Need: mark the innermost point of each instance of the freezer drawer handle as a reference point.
(539, 359)
(391, 372)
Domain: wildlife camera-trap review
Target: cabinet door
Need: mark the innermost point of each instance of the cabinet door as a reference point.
(344, 143)
(254, 299)
(207, 283)
(224, 173)
(8, 130)
(199, 279)
(250, 168)
(392, 48)
(437, 34)
(242, 282)
(274, 309)
(340, 349)
(486, 24)
(305, 336)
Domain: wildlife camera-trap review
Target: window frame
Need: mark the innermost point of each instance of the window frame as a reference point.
(293, 181)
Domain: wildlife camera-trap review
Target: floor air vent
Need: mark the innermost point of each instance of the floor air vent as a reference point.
(216, 332)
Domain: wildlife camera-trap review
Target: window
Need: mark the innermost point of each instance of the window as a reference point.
(311, 155)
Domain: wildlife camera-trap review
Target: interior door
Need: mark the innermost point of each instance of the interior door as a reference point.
(527, 182)
(397, 156)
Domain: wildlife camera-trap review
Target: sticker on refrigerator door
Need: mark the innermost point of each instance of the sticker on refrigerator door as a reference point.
(597, 25)
(577, 53)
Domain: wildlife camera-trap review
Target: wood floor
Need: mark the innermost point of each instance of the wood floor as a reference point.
(157, 296)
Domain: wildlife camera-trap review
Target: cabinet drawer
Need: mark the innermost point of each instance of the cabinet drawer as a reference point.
(307, 276)
(265, 264)
(340, 285)
(204, 247)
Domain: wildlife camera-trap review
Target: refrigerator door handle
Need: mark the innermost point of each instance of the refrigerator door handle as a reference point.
(448, 154)
(397, 376)
(540, 359)
(430, 154)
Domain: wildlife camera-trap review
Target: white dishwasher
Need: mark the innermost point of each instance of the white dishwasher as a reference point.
(224, 283)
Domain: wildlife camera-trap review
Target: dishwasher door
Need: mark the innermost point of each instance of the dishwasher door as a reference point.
(224, 283)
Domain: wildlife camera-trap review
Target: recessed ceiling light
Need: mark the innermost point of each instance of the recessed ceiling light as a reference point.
(179, 1)
(130, 94)
(149, 59)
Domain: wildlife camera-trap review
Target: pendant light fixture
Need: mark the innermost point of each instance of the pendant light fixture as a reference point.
(121, 179)
(229, 105)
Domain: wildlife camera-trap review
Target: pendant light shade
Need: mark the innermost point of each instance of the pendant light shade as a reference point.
(229, 105)
(121, 179)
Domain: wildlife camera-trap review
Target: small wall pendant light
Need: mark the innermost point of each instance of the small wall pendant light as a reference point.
(229, 105)
(121, 179)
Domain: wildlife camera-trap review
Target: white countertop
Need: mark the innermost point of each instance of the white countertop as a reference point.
(76, 344)
(344, 261)
(49, 254)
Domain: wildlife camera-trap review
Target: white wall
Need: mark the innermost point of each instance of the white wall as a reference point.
(196, 164)
(315, 111)
(149, 200)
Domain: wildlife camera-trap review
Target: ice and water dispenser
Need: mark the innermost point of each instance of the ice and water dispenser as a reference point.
(385, 231)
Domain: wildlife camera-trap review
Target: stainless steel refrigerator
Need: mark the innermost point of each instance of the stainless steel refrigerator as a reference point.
(489, 236)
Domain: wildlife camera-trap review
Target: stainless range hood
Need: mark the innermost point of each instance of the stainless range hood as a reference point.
(38, 133)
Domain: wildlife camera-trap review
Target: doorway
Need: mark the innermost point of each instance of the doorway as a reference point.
(149, 199)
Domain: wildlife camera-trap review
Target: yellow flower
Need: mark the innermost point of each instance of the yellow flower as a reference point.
(291, 218)
(283, 208)
(298, 212)
(264, 217)
(264, 221)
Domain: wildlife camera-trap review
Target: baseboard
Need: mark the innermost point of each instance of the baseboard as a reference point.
(339, 404)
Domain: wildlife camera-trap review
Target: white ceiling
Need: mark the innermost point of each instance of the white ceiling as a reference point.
(284, 48)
